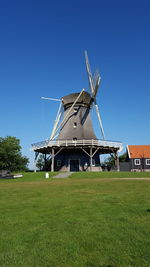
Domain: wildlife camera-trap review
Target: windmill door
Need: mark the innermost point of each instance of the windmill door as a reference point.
(74, 165)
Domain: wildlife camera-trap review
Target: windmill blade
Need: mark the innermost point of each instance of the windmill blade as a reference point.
(91, 82)
(47, 98)
(53, 135)
(99, 118)
(57, 120)
(94, 85)
(97, 84)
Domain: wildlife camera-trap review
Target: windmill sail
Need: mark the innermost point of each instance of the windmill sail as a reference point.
(94, 86)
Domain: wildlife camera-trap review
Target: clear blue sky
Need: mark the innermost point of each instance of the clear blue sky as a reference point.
(42, 47)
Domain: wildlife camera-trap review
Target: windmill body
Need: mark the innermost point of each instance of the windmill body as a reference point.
(78, 125)
(73, 145)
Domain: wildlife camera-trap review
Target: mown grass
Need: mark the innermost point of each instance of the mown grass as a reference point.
(74, 222)
(30, 176)
(111, 175)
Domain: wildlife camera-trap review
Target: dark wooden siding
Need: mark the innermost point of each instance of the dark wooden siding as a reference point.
(142, 165)
(66, 155)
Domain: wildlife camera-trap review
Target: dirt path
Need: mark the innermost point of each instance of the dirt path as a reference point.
(63, 175)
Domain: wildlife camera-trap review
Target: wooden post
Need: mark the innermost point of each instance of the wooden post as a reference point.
(52, 164)
(117, 161)
(91, 158)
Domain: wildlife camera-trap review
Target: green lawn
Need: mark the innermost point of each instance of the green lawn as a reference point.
(111, 175)
(74, 222)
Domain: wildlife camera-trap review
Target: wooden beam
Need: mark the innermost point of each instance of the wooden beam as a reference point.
(95, 152)
(52, 163)
(85, 151)
(58, 152)
(91, 158)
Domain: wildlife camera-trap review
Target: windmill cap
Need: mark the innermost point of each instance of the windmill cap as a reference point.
(84, 99)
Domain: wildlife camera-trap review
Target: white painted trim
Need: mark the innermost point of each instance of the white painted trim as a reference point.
(146, 160)
(137, 164)
(128, 152)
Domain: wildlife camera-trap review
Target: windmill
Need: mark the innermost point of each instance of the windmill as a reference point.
(73, 145)
(73, 118)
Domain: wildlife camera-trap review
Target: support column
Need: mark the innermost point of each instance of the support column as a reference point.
(117, 161)
(91, 158)
(45, 161)
(35, 161)
(52, 164)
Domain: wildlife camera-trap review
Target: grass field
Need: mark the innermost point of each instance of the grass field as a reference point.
(74, 221)
(86, 175)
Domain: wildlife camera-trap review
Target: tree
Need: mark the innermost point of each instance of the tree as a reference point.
(10, 155)
(123, 157)
(110, 161)
(40, 163)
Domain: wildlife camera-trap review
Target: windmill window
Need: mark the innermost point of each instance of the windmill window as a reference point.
(93, 162)
(137, 162)
(58, 163)
(147, 161)
(74, 125)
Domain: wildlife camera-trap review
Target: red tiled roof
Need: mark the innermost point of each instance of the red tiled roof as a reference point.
(139, 151)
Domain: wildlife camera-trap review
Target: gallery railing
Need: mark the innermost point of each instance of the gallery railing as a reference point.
(66, 143)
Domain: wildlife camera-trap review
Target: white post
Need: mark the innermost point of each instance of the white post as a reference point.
(117, 161)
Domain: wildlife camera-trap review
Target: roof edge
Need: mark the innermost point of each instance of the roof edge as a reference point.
(128, 152)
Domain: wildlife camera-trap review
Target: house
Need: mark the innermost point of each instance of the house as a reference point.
(138, 158)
